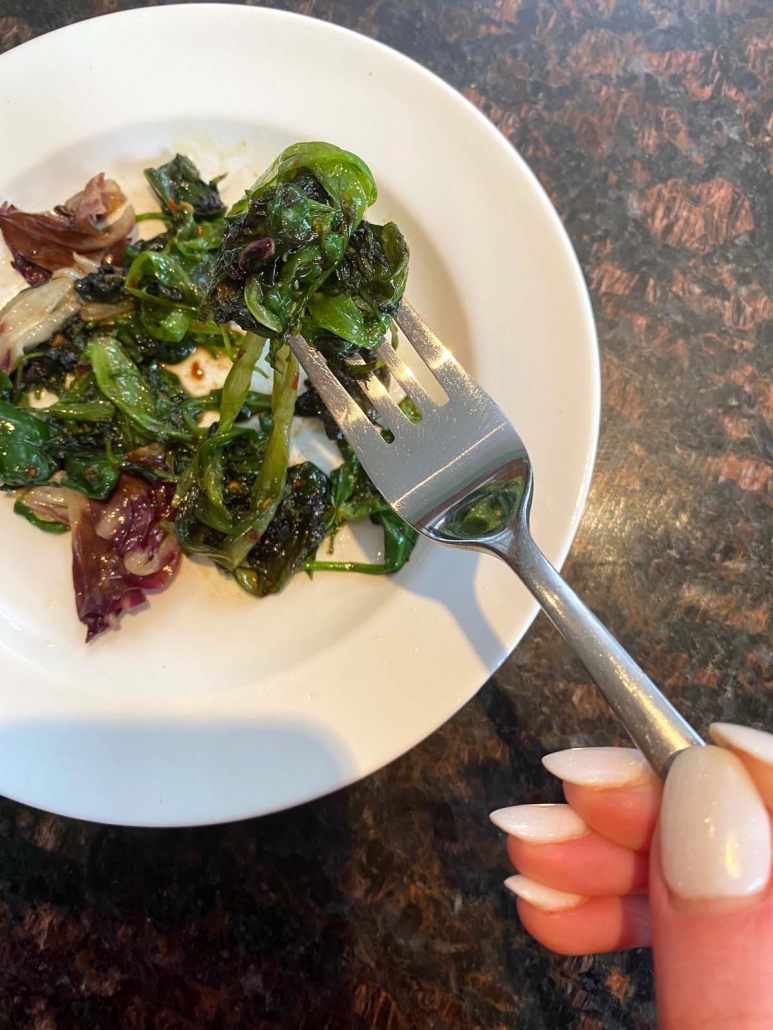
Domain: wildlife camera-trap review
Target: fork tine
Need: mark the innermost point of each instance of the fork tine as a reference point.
(404, 377)
(443, 365)
(351, 419)
(383, 401)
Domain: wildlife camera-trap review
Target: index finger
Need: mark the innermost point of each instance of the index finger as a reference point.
(613, 789)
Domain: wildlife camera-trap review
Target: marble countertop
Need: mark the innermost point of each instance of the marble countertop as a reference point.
(650, 124)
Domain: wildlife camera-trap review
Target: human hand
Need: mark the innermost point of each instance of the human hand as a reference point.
(684, 869)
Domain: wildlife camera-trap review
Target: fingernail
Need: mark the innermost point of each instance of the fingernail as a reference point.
(541, 824)
(715, 830)
(754, 748)
(599, 767)
(542, 897)
(756, 743)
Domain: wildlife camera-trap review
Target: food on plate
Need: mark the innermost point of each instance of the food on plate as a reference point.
(100, 437)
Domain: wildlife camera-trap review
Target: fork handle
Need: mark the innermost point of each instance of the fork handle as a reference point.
(652, 722)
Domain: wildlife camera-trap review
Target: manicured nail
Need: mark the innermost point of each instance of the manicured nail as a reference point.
(715, 830)
(546, 898)
(756, 743)
(754, 748)
(541, 824)
(599, 767)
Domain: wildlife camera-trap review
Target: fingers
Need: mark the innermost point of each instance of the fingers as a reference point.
(590, 865)
(711, 897)
(613, 789)
(598, 925)
(581, 879)
(709, 910)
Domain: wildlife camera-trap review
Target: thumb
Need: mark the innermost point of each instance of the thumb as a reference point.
(711, 898)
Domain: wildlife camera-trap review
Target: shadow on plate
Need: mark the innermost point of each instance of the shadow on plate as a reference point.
(452, 584)
(173, 774)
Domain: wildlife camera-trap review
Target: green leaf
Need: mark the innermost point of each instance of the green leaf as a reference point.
(210, 463)
(358, 301)
(399, 539)
(120, 381)
(23, 435)
(47, 525)
(253, 295)
(286, 236)
(295, 532)
(179, 182)
(340, 316)
(345, 177)
(168, 325)
(237, 385)
(82, 411)
(269, 484)
(6, 386)
(162, 280)
(353, 497)
(95, 477)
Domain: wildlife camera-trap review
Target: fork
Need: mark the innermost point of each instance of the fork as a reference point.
(462, 476)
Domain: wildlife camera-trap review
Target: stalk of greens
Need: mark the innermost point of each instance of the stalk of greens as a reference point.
(121, 458)
(298, 255)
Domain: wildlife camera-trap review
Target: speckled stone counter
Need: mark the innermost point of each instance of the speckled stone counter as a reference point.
(650, 124)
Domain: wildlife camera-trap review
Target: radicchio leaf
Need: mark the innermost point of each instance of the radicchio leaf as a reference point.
(45, 241)
(120, 549)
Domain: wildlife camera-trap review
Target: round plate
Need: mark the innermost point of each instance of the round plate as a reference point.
(211, 706)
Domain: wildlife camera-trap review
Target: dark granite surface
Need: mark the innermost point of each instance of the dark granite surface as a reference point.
(650, 123)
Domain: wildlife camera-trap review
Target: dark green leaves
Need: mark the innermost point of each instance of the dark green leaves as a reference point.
(105, 286)
(344, 176)
(94, 476)
(23, 436)
(169, 274)
(178, 182)
(162, 279)
(296, 531)
(121, 382)
(399, 539)
(352, 498)
(6, 386)
(357, 302)
(294, 254)
(51, 364)
(286, 236)
(238, 477)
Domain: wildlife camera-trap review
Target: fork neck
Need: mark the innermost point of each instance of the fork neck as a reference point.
(653, 724)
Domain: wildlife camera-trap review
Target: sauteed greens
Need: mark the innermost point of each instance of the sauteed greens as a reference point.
(99, 436)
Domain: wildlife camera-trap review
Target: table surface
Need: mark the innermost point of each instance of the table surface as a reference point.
(650, 124)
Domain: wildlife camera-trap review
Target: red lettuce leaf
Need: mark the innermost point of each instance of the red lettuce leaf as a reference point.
(45, 241)
(120, 550)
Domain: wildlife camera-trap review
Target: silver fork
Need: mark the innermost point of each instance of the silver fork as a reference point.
(461, 475)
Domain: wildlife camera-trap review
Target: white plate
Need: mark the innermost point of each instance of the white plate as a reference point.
(212, 706)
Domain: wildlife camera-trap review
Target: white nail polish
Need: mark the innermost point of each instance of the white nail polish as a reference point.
(541, 824)
(754, 748)
(599, 767)
(756, 743)
(545, 898)
(714, 827)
